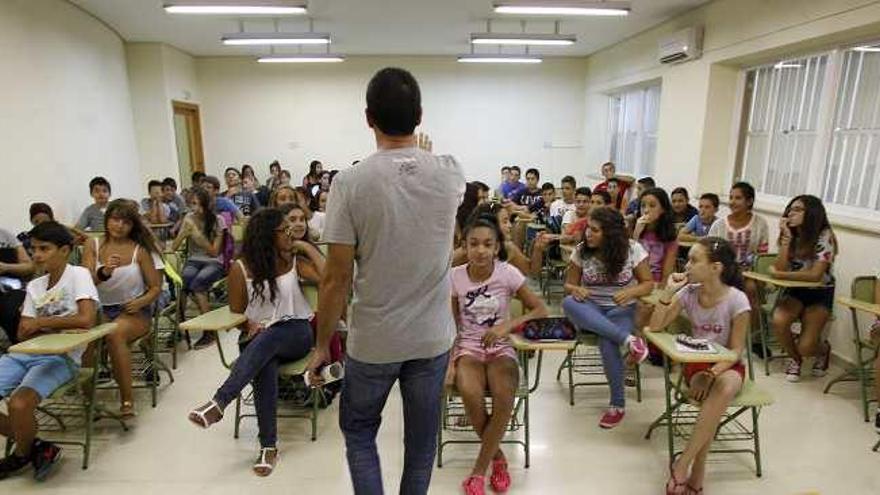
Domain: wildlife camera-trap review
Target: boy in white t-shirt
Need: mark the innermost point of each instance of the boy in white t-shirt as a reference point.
(64, 298)
(565, 204)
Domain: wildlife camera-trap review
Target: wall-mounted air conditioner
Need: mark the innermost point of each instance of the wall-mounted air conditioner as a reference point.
(681, 46)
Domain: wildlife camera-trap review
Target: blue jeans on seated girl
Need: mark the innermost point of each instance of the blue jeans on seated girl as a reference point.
(199, 276)
(613, 324)
(285, 341)
(364, 392)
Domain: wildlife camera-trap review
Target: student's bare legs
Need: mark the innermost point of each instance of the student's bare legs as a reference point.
(725, 388)
(753, 290)
(813, 322)
(21, 425)
(207, 338)
(128, 328)
(786, 312)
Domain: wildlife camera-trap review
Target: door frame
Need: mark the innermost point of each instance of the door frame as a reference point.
(191, 111)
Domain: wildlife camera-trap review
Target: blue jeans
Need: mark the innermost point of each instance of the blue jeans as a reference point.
(285, 341)
(364, 392)
(613, 325)
(199, 276)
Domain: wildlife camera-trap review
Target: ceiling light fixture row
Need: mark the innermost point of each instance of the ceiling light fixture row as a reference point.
(237, 7)
(612, 8)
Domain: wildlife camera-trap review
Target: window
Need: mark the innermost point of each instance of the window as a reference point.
(812, 125)
(633, 129)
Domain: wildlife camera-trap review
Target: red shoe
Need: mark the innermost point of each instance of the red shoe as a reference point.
(612, 417)
(500, 479)
(474, 485)
(638, 351)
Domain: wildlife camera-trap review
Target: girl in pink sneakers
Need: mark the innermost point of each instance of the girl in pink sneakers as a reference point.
(483, 358)
(607, 274)
(709, 296)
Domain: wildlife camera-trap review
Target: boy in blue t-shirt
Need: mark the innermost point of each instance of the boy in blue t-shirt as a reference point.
(65, 298)
(698, 226)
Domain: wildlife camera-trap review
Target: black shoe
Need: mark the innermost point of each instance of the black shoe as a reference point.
(12, 464)
(45, 457)
(758, 350)
(206, 340)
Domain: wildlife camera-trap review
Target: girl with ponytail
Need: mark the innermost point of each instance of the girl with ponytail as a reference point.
(709, 293)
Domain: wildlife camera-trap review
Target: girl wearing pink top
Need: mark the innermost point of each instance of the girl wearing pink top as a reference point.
(708, 295)
(483, 358)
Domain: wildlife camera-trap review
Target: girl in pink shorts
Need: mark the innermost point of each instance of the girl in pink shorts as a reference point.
(483, 358)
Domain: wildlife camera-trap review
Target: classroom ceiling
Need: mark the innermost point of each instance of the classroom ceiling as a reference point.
(378, 27)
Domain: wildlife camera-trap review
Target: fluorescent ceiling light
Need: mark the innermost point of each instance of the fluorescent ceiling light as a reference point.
(499, 59)
(236, 7)
(787, 65)
(276, 39)
(867, 49)
(300, 59)
(522, 39)
(563, 7)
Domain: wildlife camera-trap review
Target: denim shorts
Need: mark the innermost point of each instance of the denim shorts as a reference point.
(42, 373)
(113, 311)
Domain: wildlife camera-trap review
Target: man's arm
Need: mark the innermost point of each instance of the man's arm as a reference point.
(332, 299)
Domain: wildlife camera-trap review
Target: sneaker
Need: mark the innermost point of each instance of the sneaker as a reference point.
(638, 350)
(474, 485)
(793, 371)
(45, 457)
(612, 417)
(877, 422)
(11, 465)
(500, 479)
(820, 365)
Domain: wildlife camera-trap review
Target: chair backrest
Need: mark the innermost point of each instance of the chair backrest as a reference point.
(763, 262)
(863, 288)
(171, 271)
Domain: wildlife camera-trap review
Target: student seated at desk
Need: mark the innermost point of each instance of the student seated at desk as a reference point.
(698, 226)
(16, 269)
(92, 218)
(606, 275)
(682, 209)
(205, 231)
(62, 299)
(264, 284)
(153, 208)
(514, 254)
(807, 247)
(561, 206)
(709, 295)
(124, 269)
(282, 195)
(483, 357)
(655, 231)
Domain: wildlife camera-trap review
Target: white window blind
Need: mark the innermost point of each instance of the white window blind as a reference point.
(633, 116)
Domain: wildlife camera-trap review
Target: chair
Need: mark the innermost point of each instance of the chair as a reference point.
(289, 376)
(768, 298)
(683, 412)
(862, 289)
(586, 361)
(166, 320)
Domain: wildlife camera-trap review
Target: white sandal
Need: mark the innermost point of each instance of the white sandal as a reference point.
(263, 464)
(198, 418)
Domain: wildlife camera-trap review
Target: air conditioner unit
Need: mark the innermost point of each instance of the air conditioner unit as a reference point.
(681, 46)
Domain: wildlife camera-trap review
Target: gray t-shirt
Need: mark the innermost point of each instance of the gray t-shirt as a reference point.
(397, 208)
(92, 218)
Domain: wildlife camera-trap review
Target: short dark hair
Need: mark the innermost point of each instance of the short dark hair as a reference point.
(210, 179)
(37, 208)
(153, 183)
(197, 177)
(611, 164)
(583, 191)
(99, 181)
(534, 171)
(548, 186)
(747, 190)
(680, 190)
(712, 198)
(170, 182)
(234, 169)
(394, 101)
(505, 168)
(52, 232)
(647, 182)
(515, 167)
(275, 164)
(569, 180)
(481, 185)
(605, 195)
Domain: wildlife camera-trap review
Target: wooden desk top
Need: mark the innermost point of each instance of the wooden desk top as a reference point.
(214, 321)
(160, 225)
(666, 343)
(767, 279)
(521, 343)
(62, 343)
(859, 305)
(686, 244)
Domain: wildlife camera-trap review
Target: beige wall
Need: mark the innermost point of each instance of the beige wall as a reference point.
(158, 74)
(485, 115)
(699, 107)
(65, 113)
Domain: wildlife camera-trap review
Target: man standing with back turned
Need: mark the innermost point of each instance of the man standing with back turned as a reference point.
(393, 214)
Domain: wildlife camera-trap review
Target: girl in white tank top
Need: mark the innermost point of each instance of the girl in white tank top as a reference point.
(127, 291)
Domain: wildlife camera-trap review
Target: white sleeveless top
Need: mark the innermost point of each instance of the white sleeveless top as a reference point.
(126, 283)
(290, 303)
